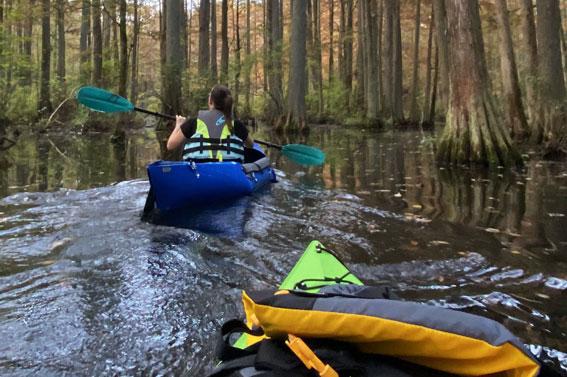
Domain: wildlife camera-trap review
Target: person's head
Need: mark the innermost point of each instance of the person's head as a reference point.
(220, 98)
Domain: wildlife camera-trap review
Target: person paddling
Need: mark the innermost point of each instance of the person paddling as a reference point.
(213, 135)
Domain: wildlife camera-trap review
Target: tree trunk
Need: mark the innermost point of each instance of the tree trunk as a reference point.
(84, 41)
(443, 51)
(60, 46)
(185, 42)
(474, 132)
(173, 58)
(348, 46)
(224, 47)
(373, 89)
(551, 121)
(97, 43)
(236, 25)
(247, 63)
(397, 84)
(388, 57)
(123, 78)
(318, 58)
(274, 70)
(204, 47)
(529, 53)
(297, 85)
(135, 41)
(414, 110)
(514, 108)
(426, 120)
(162, 48)
(214, 69)
(27, 46)
(379, 59)
(44, 95)
(361, 55)
(331, 30)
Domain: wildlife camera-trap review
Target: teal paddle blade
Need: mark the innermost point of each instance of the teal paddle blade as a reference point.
(304, 154)
(101, 100)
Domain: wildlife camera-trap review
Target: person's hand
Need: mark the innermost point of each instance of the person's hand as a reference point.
(179, 120)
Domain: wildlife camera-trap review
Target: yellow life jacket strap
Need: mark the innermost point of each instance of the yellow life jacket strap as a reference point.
(308, 357)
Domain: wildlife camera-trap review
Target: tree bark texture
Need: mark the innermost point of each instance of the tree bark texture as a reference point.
(44, 88)
(224, 38)
(204, 47)
(372, 95)
(414, 110)
(27, 45)
(297, 85)
(274, 69)
(214, 69)
(551, 121)
(173, 58)
(135, 42)
(474, 132)
(426, 120)
(348, 45)
(443, 51)
(513, 106)
(248, 63)
(97, 43)
(236, 23)
(331, 32)
(529, 54)
(84, 41)
(123, 75)
(61, 44)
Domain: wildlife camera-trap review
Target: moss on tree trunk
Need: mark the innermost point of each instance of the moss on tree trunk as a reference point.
(474, 132)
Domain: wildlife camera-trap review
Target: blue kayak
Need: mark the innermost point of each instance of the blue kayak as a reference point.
(181, 184)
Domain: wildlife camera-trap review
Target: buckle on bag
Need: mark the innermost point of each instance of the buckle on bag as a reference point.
(308, 357)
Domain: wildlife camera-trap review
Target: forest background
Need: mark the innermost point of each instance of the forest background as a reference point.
(490, 73)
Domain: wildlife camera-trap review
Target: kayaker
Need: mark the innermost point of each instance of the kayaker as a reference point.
(213, 135)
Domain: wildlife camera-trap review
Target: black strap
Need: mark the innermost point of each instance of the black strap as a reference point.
(205, 160)
(212, 147)
(202, 139)
(225, 350)
(339, 280)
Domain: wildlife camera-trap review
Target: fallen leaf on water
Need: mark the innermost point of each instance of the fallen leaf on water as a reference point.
(397, 195)
(59, 243)
(516, 252)
(463, 253)
(437, 243)
(542, 295)
(382, 190)
(492, 230)
(556, 214)
(440, 279)
(417, 206)
(363, 192)
(414, 243)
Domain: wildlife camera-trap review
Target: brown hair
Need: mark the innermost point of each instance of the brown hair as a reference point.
(222, 101)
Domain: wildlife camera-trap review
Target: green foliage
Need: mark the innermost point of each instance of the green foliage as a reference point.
(21, 105)
(336, 101)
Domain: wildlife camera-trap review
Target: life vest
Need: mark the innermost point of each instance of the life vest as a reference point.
(437, 338)
(212, 140)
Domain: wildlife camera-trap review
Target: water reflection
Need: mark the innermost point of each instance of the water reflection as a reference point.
(86, 288)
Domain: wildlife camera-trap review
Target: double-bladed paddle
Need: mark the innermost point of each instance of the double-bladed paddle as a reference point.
(104, 101)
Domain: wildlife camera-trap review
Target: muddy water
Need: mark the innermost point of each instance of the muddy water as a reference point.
(88, 289)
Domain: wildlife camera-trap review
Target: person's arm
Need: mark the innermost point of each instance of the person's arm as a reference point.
(242, 132)
(176, 138)
(249, 142)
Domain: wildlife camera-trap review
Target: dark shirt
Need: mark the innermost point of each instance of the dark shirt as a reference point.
(190, 126)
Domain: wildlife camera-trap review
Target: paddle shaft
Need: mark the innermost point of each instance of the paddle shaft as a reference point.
(171, 117)
(154, 113)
